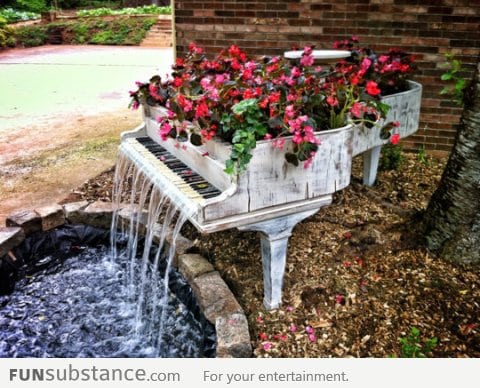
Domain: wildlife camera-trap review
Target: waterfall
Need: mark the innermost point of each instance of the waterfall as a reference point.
(155, 219)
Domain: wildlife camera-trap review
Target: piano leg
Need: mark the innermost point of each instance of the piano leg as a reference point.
(274, 236)
(370, 165)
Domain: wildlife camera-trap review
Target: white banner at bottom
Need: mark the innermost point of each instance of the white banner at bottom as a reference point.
(238, 373)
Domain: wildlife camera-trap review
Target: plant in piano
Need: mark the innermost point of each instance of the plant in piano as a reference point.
(243, 101)
(391, 71)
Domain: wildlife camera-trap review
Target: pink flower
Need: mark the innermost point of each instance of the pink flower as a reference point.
(309, 330)
(357, 110)
(267, 346)
(221, 78)
(296, 72)
(279, 143)
(293, 328)
(395, 138)
(165, 129)
(263, 336)
(307, 60)
(332, 101)
(205, 83)
(339, 298)
(312, 337)
(185, 103)
(290, 111)
(383, 58)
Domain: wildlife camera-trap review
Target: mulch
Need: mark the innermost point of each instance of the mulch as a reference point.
(358, 276)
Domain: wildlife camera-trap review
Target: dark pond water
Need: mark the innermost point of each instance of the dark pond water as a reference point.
(82, 306)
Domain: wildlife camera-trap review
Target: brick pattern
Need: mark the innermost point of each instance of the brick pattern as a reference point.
(426, 28)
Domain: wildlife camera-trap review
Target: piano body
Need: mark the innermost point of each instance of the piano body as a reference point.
(271, 197)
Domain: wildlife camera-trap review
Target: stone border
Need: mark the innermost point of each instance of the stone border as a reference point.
(216, 301)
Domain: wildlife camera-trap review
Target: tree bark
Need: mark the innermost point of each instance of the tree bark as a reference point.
(452, 219)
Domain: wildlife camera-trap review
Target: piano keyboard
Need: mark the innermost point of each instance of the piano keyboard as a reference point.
(187, 176)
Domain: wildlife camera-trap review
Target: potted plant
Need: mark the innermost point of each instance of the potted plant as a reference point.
(392, 73)
(244, 102)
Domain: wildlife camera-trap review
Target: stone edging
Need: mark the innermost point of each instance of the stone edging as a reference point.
(214, 297)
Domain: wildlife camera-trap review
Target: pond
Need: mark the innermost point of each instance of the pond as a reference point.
(72, 299)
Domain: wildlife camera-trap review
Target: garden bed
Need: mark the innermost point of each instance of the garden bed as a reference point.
(108, 30)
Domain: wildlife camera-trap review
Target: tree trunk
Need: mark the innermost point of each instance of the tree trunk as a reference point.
(452, 219)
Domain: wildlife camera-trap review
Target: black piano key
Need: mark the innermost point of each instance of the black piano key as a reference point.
(194, 180)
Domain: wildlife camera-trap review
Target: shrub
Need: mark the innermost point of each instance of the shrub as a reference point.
(93, 31)
(31, 5)
(6, 34)
(31, 36)
(145, 10)
(391, 158)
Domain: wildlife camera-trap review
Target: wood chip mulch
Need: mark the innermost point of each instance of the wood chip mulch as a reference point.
(358, 276)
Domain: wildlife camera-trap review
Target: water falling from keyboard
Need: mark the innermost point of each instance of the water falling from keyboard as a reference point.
(154, 216)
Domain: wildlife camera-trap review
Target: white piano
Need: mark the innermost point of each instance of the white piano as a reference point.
(271, 197)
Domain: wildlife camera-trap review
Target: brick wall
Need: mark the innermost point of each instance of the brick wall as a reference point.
(426, 28)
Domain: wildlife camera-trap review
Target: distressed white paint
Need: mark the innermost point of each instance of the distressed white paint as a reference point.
(404, 108)
(269, 184)
(274, 236)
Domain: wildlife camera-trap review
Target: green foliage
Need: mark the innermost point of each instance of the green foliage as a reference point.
(412, 346)
(31, 36)
(247, 126)
(145, 10)
(453, 76)
(6, 34)
(11, 15)
(81, 33)
(391, 158)
(30, 5)
(121, 31)
(422, 156)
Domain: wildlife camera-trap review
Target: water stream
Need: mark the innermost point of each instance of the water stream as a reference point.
(113, 299)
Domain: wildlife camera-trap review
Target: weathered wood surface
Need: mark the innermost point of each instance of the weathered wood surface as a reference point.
(269, 181)
(404, 108)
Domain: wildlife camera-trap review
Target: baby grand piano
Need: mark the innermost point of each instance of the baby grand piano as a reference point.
(271, 197)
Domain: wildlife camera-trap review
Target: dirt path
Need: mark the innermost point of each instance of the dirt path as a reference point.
(38, 169)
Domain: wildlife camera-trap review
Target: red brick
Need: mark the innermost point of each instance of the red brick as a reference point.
(426, 28)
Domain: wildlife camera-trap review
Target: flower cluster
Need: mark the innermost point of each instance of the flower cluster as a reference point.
(243, 100)
(389, 71)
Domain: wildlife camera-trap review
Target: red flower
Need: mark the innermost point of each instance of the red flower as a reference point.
(395, 138)
(372, 88)
(201, 110)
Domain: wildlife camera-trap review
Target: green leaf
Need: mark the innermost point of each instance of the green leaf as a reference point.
(446, 77)
(239, 147)
(244, 105)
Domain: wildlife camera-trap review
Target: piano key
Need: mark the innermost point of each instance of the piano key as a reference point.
(177, 171)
